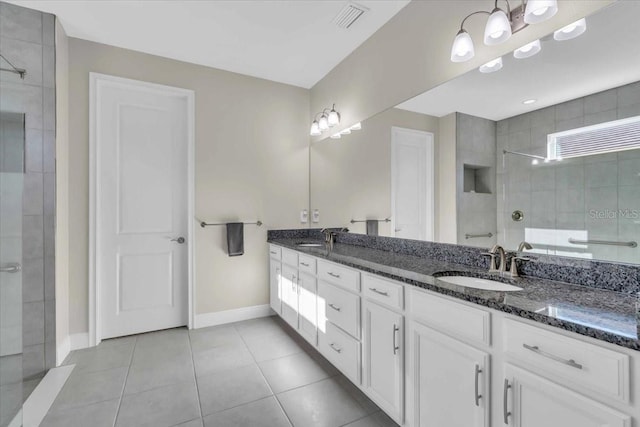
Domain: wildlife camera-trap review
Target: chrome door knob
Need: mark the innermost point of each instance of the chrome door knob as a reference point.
(179, 240)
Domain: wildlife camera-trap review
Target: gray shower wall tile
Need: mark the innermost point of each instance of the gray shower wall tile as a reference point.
(519, 123)
(601, 117)
(33, 150)
(49, 151)
(49, 108)
(49, 193)
(33, 280)
(601, 101)
(33, 361)
(629, 95)
(32, 196)
(25, 55)
(25, 98)
(574, 123)
(20, 23)
(602, 174)
(570, 110)
(627, 111)
(49, 321)
(545, 117)
(48, 29)
(32, 323)
(32, 237)
(49, 236)
(49, 278)
(49, 66)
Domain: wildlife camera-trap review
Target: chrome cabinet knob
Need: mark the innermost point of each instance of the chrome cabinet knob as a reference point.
(179, 240)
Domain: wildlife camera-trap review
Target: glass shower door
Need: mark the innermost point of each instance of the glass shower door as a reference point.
(12, 137)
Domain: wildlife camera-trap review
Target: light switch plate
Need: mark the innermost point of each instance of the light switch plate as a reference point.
(315, 216)
(304, 216)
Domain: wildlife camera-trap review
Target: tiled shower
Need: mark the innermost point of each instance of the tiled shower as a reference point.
(27, 204)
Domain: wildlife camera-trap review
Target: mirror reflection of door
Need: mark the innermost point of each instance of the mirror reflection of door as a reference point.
(412, 184)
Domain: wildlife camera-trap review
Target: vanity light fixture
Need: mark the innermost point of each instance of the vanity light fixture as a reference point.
(491, 66)
(528, 50)
(571, 31)
(540, 10)
(502, 24)
(329, 118)
(529, 101)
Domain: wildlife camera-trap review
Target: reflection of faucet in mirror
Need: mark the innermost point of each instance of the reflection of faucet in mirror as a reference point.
(524, 245)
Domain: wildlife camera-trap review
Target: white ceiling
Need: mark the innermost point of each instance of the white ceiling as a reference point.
(293, 42)
(607, 55)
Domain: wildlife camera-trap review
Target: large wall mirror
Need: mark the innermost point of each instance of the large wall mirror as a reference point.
(544, 150)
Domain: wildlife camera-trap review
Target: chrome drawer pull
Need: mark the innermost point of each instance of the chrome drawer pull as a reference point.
(337, 276)
(478, 396)
(11, 268)
(379, 292)
(505, 398)
(568, 362)
(273, 253)
(335, 348)
(335, 307)
(304, 263)
(396, 329)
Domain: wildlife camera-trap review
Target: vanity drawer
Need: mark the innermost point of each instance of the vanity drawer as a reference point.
(275, 252)
(339, 307)
(470, 324)
(341, 350)
(383, 291)
(569, 360)
(290, 257)
(339, 275)
(307, 264)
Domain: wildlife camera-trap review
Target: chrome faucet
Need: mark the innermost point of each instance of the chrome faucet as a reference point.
(495, 251)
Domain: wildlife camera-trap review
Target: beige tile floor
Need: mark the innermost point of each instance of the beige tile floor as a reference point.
(256, 373)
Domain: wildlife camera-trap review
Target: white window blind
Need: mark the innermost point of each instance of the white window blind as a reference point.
(618, 135)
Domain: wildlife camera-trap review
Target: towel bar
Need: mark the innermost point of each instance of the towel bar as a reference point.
(630, 244)
(353, 221)
(207, 224)
(473, 236)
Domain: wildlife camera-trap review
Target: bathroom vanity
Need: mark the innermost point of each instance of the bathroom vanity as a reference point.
(433, 353)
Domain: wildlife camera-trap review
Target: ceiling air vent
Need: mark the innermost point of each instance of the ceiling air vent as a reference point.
(608, 137)
(349, 14)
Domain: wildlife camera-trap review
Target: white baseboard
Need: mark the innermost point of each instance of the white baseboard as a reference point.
(38, 403)
(229, 316)
(79, 341)
(62, 350)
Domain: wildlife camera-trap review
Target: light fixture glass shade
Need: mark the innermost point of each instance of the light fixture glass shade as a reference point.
(336, 136)
(540, 10)
(346, 131)
(323, 123)
(462, 49)
(491, 66)
(571, 31)
(334, 118)
(498, 28)
(357, 126)
(315, 129)
(528, 50)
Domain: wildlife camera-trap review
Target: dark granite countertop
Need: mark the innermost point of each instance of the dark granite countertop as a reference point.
(602, 314)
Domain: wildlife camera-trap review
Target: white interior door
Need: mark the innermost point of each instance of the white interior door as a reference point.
(412, 184)
(141, 154)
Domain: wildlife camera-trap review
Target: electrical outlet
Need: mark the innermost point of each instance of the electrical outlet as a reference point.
(304, 216)
(315, 217)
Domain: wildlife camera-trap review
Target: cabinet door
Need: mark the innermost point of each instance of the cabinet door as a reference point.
(383, 358)
(532, 401)
(275, 275)
(289, 286)
(307, 308)
(447, 381)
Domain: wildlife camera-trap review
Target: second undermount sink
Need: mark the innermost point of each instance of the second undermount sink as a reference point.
(478, 283)
(310, 245)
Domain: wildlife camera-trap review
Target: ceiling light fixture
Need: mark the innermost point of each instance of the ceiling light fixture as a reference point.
(491, 66)
(501, 25)
(357, 126)
(529, 101)
(571, 31)
(346, 131)
(528, 50)
(336, 136)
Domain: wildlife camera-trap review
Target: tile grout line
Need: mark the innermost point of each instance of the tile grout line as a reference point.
(195, 378)
(265, 378)
(126, 377)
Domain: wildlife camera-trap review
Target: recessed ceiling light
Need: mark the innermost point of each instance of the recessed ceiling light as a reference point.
(529, 101)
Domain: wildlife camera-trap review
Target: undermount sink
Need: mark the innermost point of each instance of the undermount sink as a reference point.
(310, 245)
(477, 283)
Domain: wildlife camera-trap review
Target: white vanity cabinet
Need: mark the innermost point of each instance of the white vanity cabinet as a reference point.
(275, 274)
(529, 400)
(430, 360)
(383, 358)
